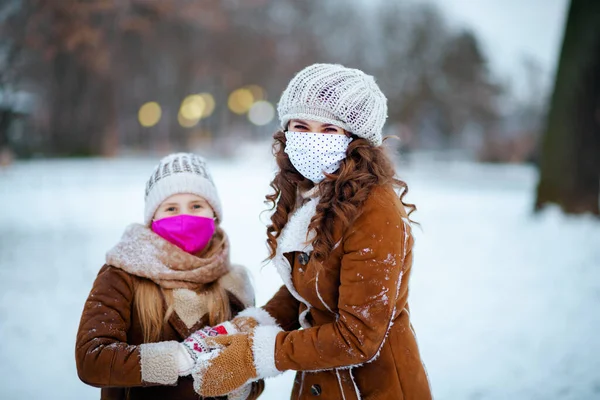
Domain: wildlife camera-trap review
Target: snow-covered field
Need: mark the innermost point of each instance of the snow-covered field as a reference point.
(505, 304)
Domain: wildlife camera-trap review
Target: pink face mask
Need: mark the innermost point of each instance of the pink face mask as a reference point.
(188, 232)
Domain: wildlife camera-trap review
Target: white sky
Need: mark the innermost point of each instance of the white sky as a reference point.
(510, 30)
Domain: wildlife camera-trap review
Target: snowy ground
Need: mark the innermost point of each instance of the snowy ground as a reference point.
(505, 304)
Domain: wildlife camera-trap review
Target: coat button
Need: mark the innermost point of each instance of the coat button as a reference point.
(315, 390)
(303, 258)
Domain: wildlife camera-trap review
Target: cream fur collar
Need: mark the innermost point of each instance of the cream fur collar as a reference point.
(295, 237)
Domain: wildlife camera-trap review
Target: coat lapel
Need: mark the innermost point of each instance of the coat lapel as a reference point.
(294, 237)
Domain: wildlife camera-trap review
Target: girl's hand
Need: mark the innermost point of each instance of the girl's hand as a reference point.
(185, 361)
(197, 349)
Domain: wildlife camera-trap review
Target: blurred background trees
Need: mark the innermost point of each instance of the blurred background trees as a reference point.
(105, 77)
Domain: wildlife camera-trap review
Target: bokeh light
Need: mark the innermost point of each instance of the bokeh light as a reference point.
(257, 92)
(187, 122)
(240, 101)
(261, 113)
(149, 114)
(192, 107)
(209, 104)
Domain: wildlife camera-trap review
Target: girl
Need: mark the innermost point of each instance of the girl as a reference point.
(341, 240)
(164, 280)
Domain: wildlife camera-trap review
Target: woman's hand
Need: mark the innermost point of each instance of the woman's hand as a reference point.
(236, 360)
(206, 344)
(195, 348)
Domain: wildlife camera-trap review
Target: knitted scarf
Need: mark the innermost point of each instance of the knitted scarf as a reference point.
(143, 253)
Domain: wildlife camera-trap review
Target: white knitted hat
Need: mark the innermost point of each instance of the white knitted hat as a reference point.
(334, 94)
(180, 173)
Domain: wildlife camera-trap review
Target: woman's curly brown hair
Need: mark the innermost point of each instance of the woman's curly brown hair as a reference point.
(342, 193)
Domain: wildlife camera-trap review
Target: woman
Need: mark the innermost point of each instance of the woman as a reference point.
(164, 280)
(341, 241)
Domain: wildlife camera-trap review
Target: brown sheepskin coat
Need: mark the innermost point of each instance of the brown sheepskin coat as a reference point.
(357, 340)
(110, 353)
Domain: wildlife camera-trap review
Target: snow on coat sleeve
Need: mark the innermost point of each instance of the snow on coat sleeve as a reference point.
(372, 293)
(103, 357)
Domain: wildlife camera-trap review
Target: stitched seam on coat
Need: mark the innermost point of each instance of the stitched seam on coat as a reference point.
(321, 298)
(358, 396)
(301, 384)
(340, 384)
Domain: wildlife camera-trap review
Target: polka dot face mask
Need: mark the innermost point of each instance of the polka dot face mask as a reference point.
(312, 153)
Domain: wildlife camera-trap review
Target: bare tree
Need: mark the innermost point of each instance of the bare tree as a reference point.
(93, 63)
(570, 162)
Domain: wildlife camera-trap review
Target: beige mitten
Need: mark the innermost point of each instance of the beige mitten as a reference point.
(236, 360)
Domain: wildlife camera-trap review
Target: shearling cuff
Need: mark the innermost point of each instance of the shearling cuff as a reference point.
(159, 362)
(260, 315)
(263, 349)
(241, 393)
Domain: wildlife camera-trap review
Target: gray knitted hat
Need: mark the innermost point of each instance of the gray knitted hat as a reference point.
(334, 94)
(180, 173)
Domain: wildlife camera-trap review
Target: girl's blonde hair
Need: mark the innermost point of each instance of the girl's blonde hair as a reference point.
(149, 301)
